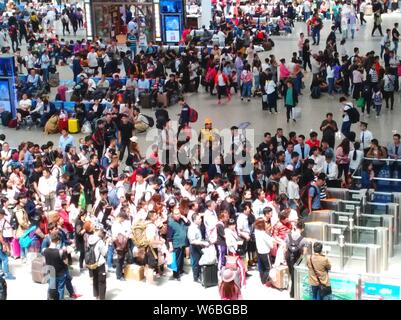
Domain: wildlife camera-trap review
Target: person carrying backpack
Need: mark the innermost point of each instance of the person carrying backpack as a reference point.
(296, 246)
(350, 116)
(377, 100)
(95, 260)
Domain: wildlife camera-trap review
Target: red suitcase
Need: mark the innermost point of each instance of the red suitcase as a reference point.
(63, 124)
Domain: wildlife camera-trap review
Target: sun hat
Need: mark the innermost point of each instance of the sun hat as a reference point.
(134, 139)
(228, 275)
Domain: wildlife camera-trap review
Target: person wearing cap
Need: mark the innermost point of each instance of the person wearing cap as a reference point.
(176, 237)
(125, 131)
(4, 245)
(97, 239)
(228, 289)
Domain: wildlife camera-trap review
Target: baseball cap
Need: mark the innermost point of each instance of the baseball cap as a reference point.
(208, 121)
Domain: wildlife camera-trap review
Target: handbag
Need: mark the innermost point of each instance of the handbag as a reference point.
(172, 262)
(324, 290)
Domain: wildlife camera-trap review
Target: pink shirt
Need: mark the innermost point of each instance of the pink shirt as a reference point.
(284, 73)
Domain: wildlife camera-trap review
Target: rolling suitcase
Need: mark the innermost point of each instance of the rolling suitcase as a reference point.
(63, 124)
(73, 126)
(209, 276)
(39, 274)
(145, 99)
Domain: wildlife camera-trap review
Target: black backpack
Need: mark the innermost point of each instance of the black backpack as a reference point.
(3, 288)
(294, 250)
(6, 117)
(353, 114)
(14, 221)
(150, 121)
(90, 257)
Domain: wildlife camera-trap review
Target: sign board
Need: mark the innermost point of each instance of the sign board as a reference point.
(343, 218)
(379, 291)
(335, 231)
(349, 207)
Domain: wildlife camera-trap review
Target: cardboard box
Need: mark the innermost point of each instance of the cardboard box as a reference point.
(134, 272)
(281, 273)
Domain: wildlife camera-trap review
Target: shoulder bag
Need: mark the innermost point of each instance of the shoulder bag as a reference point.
(324, 290)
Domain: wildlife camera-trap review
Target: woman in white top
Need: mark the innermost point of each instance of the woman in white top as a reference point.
(355, 157)
(264, 244)
(250, 54)
(5, 156)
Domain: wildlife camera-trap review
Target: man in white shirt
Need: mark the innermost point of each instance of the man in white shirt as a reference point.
(259, 204)
(366, 136)
(140, 187)
(214, 183)
(92, 60)
(330, 168)
(178, 179)
(242, 222)
(121, 226)
(222, 38)
(47, 188)
(210, 217)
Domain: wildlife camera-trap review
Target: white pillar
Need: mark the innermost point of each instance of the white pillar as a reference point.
(206, 13)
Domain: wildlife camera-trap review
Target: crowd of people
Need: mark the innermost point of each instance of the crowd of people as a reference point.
(246, 204)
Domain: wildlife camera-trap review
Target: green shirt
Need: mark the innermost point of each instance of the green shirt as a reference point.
(82, 201)
(177, 233)
(289, 98)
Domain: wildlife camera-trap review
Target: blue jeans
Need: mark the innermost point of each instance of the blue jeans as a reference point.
(45, 74)
(58, 284)
(378, 108)
(395, 46)
(62, 282)
(246, 89)
(346, 128)
(256, 82)
(4, 262)
(110, 253)
(316, 35)
(23, 252)
(306, 15)
(331, 85)
(315, 293)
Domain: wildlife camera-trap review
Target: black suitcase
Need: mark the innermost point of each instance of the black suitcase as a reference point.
(145, 99)
(209, 276)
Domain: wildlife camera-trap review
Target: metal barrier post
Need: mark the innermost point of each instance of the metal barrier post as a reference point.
(373, 259)
(341, 243)
(382, 240)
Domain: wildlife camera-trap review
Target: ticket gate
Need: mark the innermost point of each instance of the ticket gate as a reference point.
(338, 244)
(361, 220)
(366, 207)
(368, 220)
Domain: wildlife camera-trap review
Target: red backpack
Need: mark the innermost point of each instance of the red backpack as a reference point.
(193, 115)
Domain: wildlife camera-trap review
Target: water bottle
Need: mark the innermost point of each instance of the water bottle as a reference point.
(286, 280)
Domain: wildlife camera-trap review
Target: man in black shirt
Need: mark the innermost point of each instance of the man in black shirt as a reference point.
(93, 173)
(396, 37)
(110, 129)
(124, 134)
(57, 262)
(34, 177)
(329, 129)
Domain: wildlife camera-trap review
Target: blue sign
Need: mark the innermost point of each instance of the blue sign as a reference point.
(8, 92)
(378, 291)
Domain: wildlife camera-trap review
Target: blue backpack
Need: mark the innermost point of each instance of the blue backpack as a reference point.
(113, 198)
